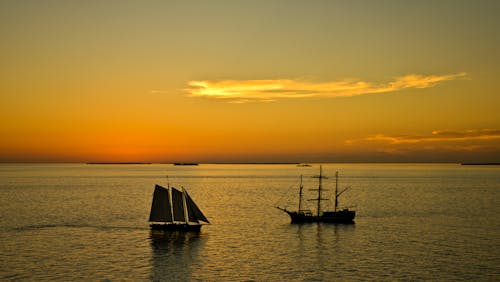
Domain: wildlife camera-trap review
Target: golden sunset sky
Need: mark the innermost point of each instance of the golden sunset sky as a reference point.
(249, 81)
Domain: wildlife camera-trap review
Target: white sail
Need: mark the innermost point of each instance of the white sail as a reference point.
(160, 207)
(194, 212)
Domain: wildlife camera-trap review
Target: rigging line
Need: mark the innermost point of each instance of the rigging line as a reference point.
(283, 196)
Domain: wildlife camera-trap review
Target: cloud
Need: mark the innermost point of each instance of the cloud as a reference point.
(242, 91)
(435, 136)
(158, 92)
(439, 143)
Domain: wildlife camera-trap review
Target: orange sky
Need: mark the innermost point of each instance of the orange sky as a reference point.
(255, 81)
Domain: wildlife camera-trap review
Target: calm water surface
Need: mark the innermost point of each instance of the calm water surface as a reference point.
(414, 222)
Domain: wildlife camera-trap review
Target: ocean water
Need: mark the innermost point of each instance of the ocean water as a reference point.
(68, 222)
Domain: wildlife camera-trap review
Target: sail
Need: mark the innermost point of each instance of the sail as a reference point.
(160, 208)
(178, 205)
(194, 212)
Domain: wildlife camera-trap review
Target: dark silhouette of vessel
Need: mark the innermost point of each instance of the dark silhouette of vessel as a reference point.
(174, 210)
(341, 216)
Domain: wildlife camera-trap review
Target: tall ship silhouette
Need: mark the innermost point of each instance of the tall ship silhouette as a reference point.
(174, 210)
(343, 216)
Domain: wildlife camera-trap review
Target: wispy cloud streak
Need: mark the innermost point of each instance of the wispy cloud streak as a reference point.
(242, 91)
(435, 136)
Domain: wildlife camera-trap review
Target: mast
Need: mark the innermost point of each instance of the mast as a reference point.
(319, 189)
(169, 195)
(300, 194)
(336, 190)
(186, 216)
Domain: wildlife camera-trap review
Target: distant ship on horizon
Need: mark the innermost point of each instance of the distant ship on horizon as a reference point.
(344, 215)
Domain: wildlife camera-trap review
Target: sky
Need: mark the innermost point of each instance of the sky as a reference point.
(249, 81)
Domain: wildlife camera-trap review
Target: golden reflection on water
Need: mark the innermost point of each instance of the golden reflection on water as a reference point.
(173, 254)
(67, 222)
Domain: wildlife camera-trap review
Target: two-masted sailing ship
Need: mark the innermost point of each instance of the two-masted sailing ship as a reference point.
(343, 215)
(174, 210)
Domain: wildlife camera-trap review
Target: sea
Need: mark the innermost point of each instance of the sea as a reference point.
(414, 222)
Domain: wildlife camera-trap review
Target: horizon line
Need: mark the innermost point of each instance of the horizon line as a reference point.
(244, 163)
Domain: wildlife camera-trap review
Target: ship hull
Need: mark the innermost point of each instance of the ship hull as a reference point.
(176, 227)
(337, 217)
